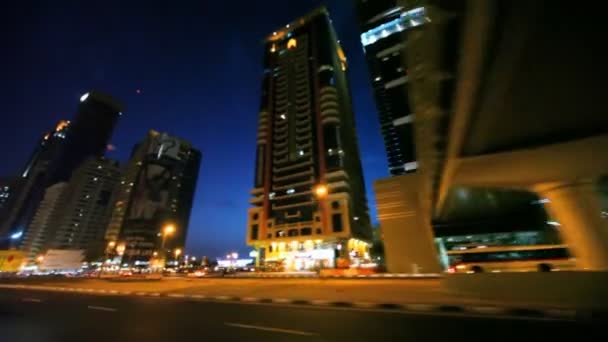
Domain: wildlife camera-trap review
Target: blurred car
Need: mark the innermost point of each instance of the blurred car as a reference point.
(197, 274)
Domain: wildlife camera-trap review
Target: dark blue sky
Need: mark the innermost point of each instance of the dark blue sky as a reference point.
(198, 65)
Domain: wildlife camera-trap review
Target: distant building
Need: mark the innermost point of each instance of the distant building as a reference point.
(7, 191)
(310, 208)
(384, 24)
(45, 219)
(59, 153)
(87, 208)
(157, 189)
(28, 189)
(89, 132)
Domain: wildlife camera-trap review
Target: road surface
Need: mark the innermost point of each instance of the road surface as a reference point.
(54, 316)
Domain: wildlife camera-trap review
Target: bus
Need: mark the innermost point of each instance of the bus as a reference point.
(541, 258)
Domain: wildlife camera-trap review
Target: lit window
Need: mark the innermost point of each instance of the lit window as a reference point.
(301, 152)
(271, 195)
(273, 48)
(292, 43)
(290, 191)
(283, 116)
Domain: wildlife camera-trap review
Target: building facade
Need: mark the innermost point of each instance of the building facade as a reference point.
(384, 25)
(86, 208)
(157, 190)
(309, 205)
(45, 219)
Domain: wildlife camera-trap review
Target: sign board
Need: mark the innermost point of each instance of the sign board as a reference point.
(62, 259)
(11, 261)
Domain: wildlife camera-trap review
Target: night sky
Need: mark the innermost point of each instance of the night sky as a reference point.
(198, 66)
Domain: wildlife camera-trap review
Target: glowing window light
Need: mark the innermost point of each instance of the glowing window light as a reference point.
(292, 43)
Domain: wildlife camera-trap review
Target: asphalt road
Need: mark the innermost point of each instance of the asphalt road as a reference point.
(55, 316)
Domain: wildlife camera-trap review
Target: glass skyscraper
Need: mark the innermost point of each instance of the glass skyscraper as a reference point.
(384, 24)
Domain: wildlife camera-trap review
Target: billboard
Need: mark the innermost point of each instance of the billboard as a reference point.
(160, 168)
(11, 261)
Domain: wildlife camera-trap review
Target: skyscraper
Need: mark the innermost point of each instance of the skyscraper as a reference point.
(28, 189)
(86, 208)
(384, 24)
(59, 153)
(41, 229)
(89, 132)
(157, 190)
(310, 208)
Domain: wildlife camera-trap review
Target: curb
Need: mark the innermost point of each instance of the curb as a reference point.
(482, 311)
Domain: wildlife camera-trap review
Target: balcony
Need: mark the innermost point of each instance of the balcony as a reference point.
(293, 175)
(293, 166)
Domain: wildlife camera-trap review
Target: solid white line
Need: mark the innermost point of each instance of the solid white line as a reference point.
(249, 299)
(101, 308)
(281, 300)
(257, 327)
(32, 300)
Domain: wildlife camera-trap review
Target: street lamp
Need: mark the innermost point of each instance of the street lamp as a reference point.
(321, 190)
(235, 255)
(177, 253)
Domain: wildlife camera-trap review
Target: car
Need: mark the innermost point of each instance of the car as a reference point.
(197, 274)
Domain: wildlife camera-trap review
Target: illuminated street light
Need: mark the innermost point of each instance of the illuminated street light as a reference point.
(235, 255)
(177, 252)
(121, 249)
(111, 244)
(40, 258)
(168, 229)
(321, 190)
(155, 254)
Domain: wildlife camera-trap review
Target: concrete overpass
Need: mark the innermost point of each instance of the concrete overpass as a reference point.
(511, 94)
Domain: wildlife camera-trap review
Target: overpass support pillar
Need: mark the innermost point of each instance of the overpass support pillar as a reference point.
(576, 206)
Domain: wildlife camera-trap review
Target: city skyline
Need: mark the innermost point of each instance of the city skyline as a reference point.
(172, 106)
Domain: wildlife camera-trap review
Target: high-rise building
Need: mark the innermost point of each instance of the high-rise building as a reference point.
(157, 190)
(59, 153)
(86, 208)
(384, 25)
(89, 132)
(46, 216)
(7, 189)
(28, 189)
(310, 208)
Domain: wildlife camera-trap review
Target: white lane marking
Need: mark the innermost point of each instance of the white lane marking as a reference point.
(249, 299)
(285, 331)
(155, 294)
(113, 291)
(199, 296)
(281, 300)
(176, 295)
(101, 308)
(32, 300)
